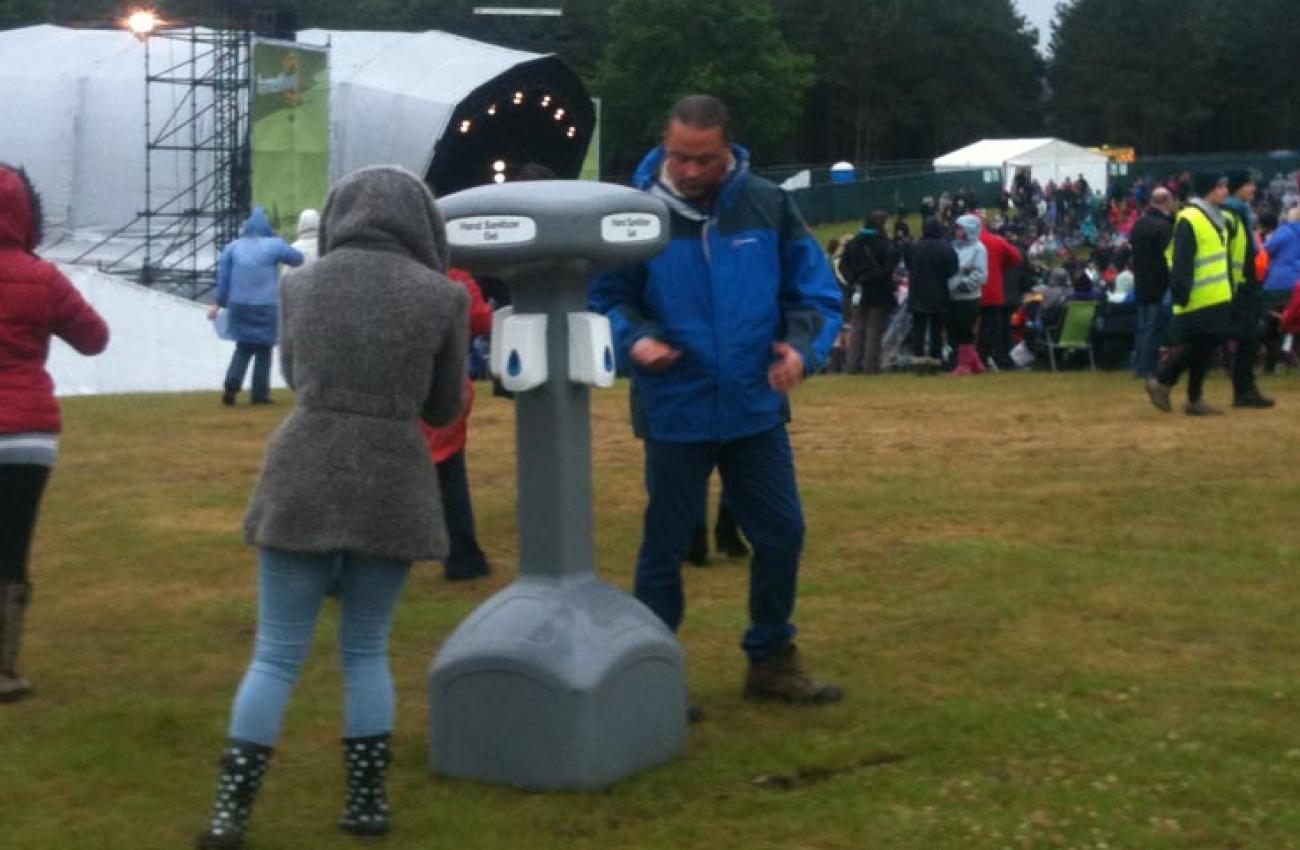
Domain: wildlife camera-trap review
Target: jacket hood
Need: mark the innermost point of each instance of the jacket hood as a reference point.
(308, 222)
(20, 210)
(973, 227)
(386, 208)
(257, 224)
(647, 180)
(932, 228)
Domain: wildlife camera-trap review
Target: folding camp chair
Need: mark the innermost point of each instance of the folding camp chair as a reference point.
(1074, 333)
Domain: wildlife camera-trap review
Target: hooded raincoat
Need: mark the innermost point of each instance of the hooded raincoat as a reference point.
(36, 302)
(248, 280)
(732, 281)
(374, 339)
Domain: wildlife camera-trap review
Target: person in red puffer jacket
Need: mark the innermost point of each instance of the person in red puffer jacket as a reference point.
(447, 446)
(36, 302)
(995, 314)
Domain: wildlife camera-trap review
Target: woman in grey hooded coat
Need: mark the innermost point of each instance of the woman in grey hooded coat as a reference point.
(373, 338)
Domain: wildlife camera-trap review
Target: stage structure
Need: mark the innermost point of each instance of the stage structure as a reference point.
(457, 112)
(202, 81)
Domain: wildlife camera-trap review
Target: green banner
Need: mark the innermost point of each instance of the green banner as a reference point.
(591, 165)
(291, 131)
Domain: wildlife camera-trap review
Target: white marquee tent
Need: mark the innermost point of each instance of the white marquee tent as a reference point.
(1043, 159)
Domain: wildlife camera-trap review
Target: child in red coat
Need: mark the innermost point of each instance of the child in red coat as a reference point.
(447, 445)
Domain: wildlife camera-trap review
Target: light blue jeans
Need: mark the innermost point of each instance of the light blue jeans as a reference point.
(293, 587)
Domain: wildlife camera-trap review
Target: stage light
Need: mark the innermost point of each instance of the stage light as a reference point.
(492, 110)
(519, 98)
(573, 131)
(142, 23)
(499, 165)
(498, 178)
(546, 101)
(559, 115)
(465, 125)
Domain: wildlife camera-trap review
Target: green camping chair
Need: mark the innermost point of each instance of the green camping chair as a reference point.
(1075, 332)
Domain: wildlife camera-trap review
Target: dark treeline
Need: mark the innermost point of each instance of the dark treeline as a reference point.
(870, 80)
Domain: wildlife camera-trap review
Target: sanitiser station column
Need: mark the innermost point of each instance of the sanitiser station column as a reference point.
(560, 681)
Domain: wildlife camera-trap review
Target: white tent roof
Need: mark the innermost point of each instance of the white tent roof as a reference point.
(74, 109)
(1046, 159)
(989, 153)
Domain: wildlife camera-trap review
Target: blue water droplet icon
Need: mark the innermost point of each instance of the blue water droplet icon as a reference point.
(514, 365)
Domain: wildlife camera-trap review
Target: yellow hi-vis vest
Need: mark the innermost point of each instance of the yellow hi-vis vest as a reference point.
(1211, 277)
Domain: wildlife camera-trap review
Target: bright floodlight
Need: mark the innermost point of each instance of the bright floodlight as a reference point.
(499, 165)
(498, 178)
(142, 23)
(465, 125)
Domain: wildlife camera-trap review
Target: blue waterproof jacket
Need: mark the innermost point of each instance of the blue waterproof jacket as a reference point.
(1283, 258)
(248, 280)
(732, 281)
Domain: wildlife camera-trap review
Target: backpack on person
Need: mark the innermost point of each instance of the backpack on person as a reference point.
(858, 264)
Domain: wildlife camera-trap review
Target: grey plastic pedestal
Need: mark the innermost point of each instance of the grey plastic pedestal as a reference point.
(560, 681)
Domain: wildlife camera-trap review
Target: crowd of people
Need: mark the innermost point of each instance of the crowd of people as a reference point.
(938, 303)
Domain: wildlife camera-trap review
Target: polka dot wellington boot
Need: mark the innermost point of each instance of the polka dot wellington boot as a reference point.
(366, 761)
(243, 765)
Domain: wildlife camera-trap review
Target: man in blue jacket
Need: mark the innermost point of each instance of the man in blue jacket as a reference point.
(248, 286)
(734, 314)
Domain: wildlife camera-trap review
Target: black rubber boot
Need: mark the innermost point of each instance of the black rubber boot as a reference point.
(366, 761)
(243, 765)
(14, 598)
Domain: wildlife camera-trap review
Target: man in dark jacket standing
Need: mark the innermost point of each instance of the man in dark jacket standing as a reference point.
(931, 261)
(1150, 239)
(868, 265)
(737, 310)
(1247, 298)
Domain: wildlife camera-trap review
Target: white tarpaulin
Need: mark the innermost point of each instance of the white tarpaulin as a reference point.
(157, 343)
(1044, 159)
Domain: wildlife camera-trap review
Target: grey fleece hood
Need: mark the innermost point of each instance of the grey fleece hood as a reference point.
(387, 208)
(972, 225)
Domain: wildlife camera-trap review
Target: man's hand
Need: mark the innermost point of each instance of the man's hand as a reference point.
(787, 372)
(212, 312)
(653, 355)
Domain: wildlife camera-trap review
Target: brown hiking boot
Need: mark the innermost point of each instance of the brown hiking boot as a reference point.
(1159, 395)
(781, 676)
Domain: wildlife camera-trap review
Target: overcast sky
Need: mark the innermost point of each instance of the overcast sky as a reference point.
(1040, 14)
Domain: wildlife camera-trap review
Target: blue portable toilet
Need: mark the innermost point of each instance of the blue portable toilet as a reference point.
(843, 172)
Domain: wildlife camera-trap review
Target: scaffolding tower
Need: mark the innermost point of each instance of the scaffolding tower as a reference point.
(204, 142)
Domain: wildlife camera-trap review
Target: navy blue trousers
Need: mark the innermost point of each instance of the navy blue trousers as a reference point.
(758, 477)
(260, 355)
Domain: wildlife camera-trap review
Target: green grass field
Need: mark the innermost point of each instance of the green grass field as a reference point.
(1063, 620)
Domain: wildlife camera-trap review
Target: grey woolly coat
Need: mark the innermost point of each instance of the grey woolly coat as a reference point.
(372, 338)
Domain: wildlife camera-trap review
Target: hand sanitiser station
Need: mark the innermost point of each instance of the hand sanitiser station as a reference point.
(560, 681)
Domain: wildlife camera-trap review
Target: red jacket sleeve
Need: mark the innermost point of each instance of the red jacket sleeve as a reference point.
(74, 320)
(1291, 316)
(480, 312)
